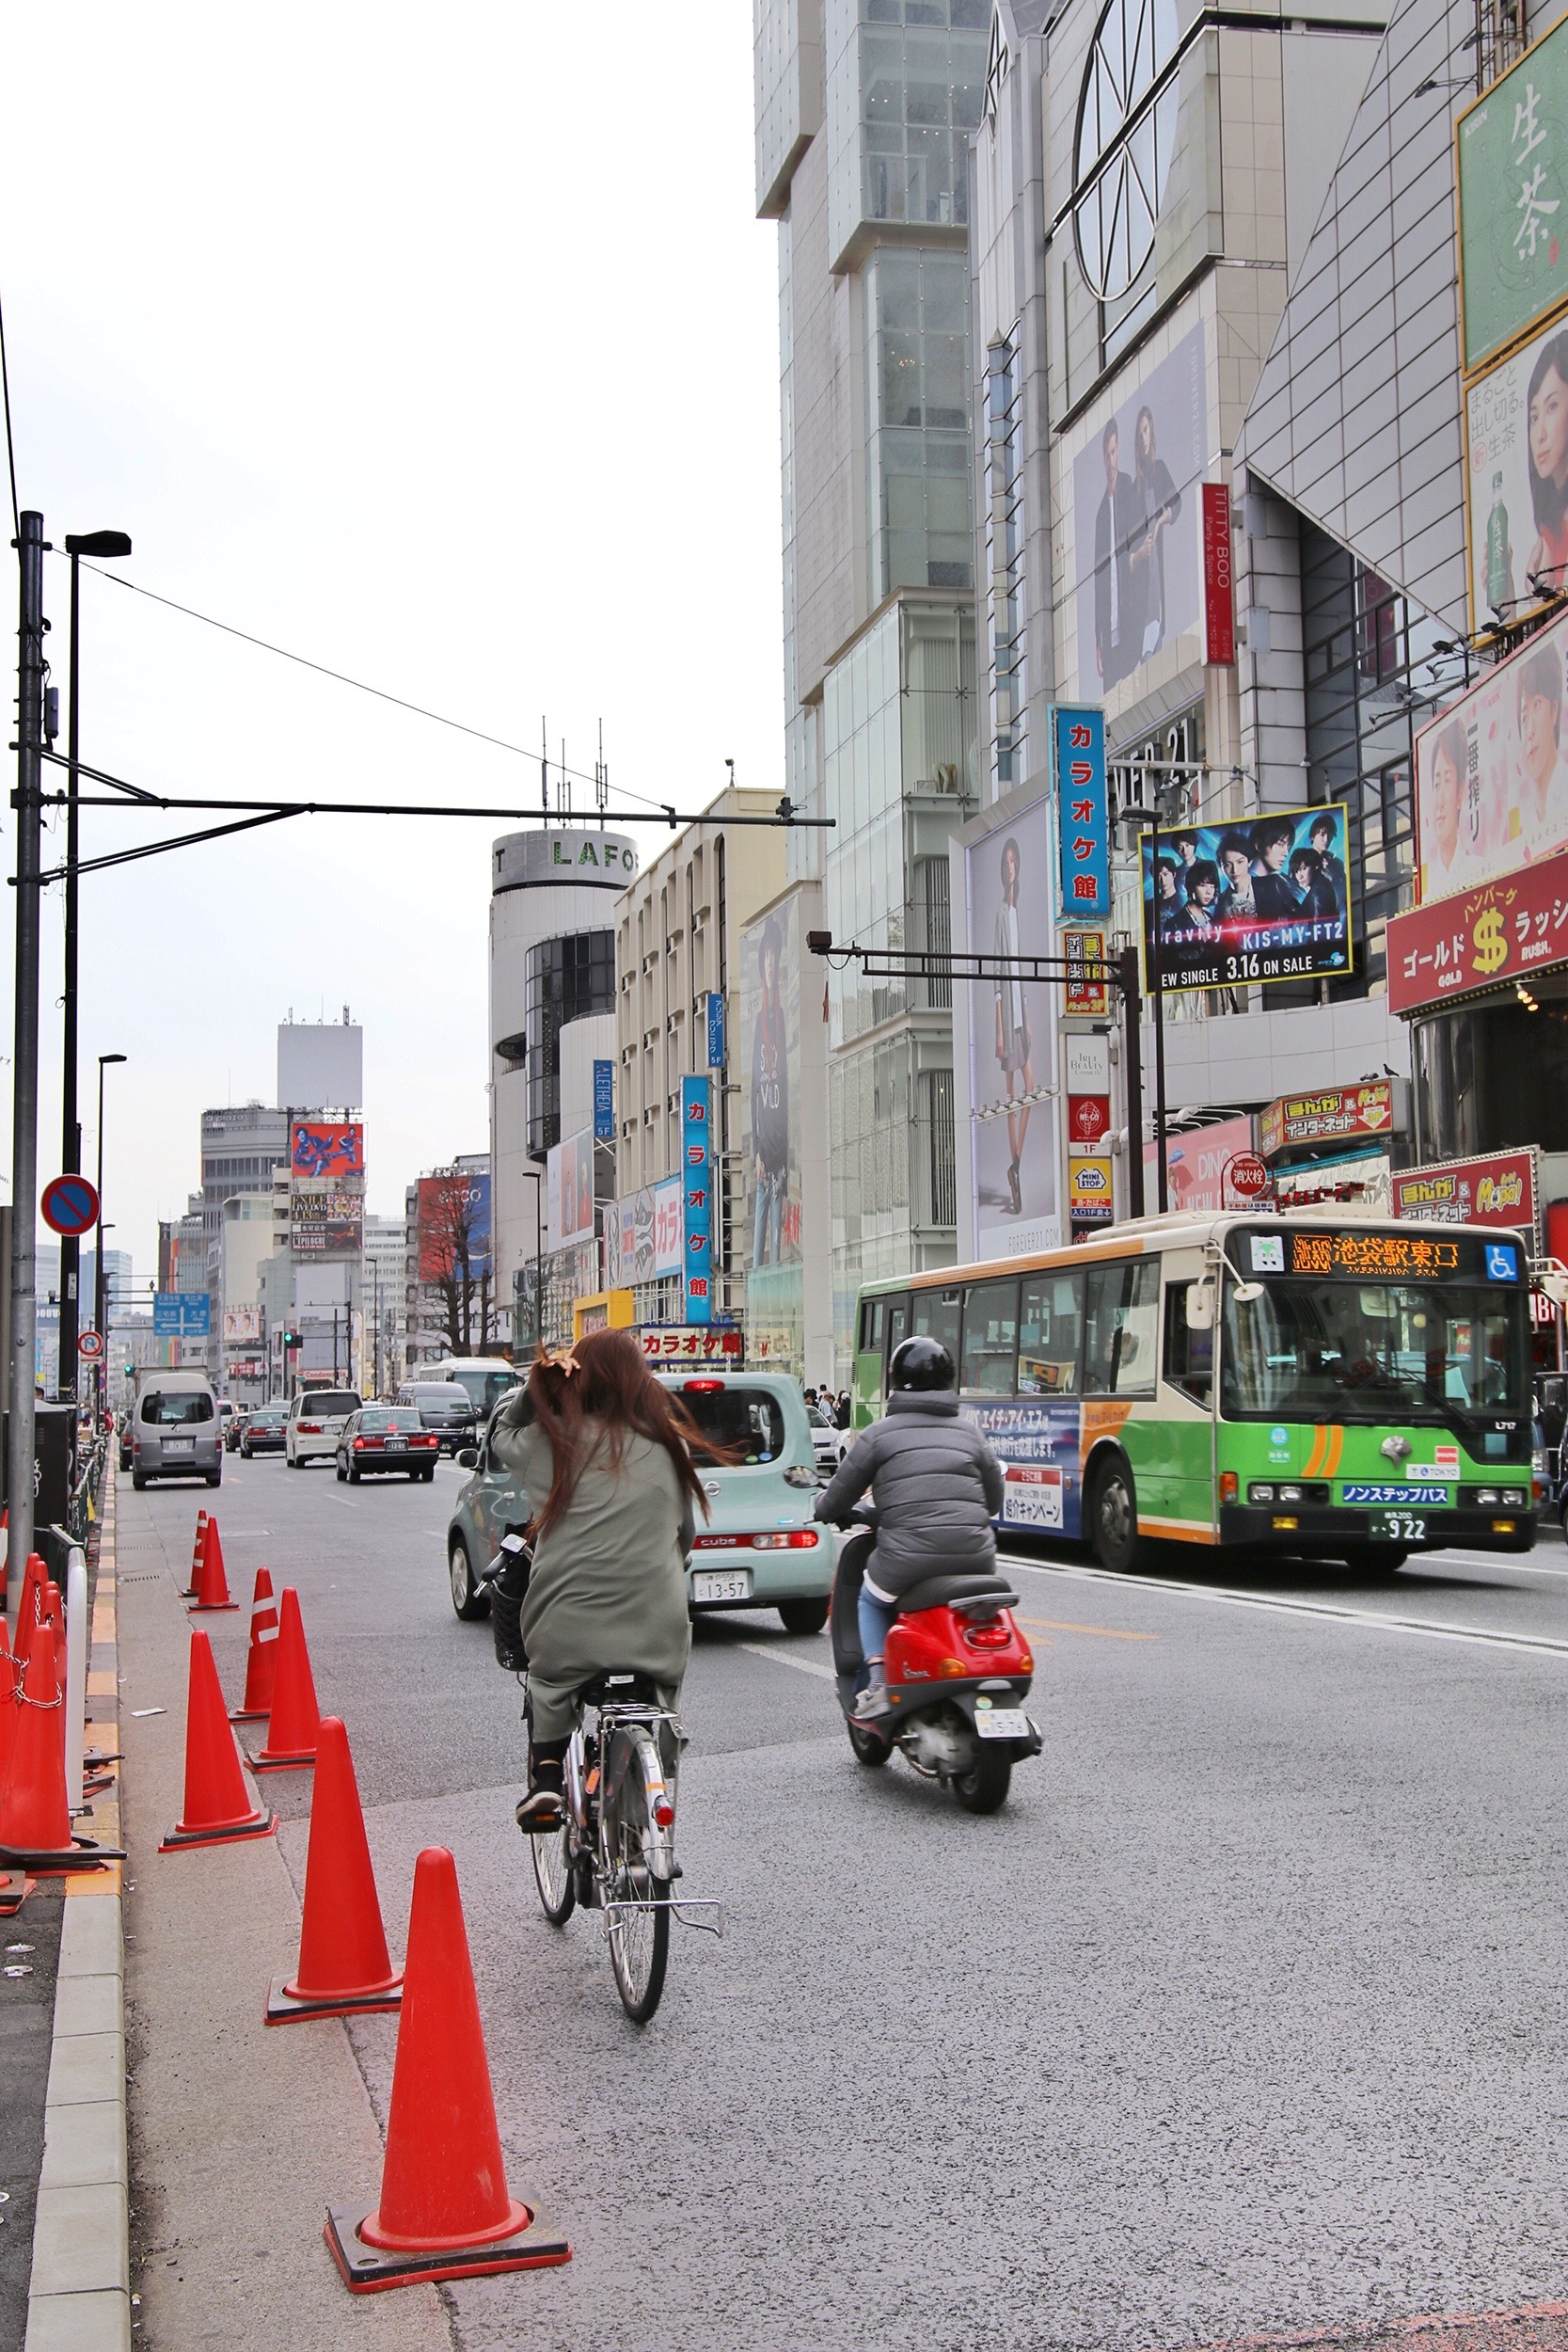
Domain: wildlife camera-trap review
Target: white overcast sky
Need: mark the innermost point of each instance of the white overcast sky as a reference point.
(439, 346)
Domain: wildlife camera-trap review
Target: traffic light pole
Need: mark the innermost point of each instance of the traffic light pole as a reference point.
(27, 802)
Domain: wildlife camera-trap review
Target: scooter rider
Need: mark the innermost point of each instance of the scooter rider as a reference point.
(934, 1484)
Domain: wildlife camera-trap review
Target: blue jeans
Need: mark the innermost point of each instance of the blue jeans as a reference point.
(876, 1620)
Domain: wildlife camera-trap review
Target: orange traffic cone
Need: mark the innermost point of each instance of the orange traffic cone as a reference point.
(261, 1665)
(445, 2211)
(35, 1811)
(27, 1607)
(190, 1591)
(217, 1803)
(11, 1683)
(211, 1585)
(291, 1740)
(343, 1966)
(52, 1614)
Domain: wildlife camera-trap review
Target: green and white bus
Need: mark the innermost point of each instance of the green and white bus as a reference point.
(1303, 1384)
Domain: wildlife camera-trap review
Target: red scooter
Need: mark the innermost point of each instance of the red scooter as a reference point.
(958, 1672)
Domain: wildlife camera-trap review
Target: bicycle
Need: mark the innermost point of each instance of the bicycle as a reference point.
(615, 1850)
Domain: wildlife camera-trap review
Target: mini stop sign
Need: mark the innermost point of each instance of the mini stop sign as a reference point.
(1246, 1175)
(70, 1205)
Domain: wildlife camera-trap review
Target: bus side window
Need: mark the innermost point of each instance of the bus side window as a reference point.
(1123, 1328)
(1189, 1354)
(898, 1324)
(937, 1312)
(1049, 1331)
(990, 1340)
(871, 1327)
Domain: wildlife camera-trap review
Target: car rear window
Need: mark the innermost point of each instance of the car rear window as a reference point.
(273, 1418)
(748, 1423)
(389, 1417)
(329, 1401)
(174, 1411)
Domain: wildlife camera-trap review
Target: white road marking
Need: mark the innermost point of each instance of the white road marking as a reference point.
(784, 1658)
(1372, 1619)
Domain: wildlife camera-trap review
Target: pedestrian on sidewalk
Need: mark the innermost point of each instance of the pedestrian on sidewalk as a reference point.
(603, 1453)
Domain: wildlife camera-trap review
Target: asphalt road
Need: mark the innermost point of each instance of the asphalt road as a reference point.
(1246, 2015)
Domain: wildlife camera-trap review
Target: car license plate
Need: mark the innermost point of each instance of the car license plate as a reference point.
(179, 1445)
(1398, 1527)
(721, 1584)
(1002, 1723)
(397, 1445)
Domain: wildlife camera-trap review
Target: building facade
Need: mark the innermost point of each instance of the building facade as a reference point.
(865, 110)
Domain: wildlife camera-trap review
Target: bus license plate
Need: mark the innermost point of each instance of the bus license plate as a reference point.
(1002, 1723)
(711, 1584)
(1398, 1527)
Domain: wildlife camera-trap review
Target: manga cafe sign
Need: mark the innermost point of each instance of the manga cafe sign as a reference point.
(1333, 1115)
(1497, 1190)
(1497, 932)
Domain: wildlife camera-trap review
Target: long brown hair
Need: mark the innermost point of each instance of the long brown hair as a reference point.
(611, 1383)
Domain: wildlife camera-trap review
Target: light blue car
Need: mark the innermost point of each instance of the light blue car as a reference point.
(759, 1547)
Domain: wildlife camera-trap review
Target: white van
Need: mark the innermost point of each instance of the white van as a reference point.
(486, 1378)
(175, 1431)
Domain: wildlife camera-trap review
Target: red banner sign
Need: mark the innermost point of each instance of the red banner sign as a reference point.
(1498, 1188)
(1333, 1115)
(1088, 1117)
(1499, 931)
(1219, 596)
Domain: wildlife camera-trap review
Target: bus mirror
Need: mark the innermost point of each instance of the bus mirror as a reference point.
(1200, 1307)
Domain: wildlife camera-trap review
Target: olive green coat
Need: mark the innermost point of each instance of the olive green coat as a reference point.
(607, 1588)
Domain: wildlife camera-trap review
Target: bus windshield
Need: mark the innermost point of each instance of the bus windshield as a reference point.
(1300, 1349)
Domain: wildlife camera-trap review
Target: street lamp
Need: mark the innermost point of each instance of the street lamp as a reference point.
(99, 1289)
(101, 544)
(1133, 813)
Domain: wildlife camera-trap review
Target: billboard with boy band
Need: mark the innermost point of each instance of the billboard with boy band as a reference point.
(1262, 900)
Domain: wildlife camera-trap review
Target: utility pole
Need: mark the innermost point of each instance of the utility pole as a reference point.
(24, 1099)
(71, 1127)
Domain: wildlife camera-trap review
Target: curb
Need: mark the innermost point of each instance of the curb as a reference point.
(79, 2299)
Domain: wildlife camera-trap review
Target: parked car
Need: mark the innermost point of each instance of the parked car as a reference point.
(233, 1426)
(759, 1547)
(445, 1407)
(263, 1430)
(387, 1437)
(827, 1440)
(174, 1432)
(315, 1423)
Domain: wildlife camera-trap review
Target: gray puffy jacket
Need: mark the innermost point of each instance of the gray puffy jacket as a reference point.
(935, 1483)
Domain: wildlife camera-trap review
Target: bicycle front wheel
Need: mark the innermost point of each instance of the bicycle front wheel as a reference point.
(552, 1870)
(640, 1925)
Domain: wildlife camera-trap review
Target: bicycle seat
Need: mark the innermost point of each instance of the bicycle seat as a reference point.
(620, 1686)
(951, 1590)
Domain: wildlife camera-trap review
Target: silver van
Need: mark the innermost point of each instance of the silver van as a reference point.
(175, 1431)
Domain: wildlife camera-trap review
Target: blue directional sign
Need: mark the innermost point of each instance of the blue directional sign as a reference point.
(69, 1205)
(715, 1031)
(604, 1102)
(181, 1315)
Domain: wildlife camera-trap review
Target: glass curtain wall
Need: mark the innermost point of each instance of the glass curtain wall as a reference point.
(906, 79)
(563, 979)
(917, 384)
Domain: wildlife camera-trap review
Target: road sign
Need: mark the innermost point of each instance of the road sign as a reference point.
(69, 1205)
(181, 1315)
(1245, 1174)
(89, 1343)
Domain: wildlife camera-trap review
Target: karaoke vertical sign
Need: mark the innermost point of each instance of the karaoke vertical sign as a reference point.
(697, 1196)
(1083, 821)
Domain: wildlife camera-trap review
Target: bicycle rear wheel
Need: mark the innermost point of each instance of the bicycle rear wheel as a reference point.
(552, 1870)
(639, 1935)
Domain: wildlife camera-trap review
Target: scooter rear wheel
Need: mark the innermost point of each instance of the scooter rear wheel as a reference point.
(869, 1750)
(985, 1790)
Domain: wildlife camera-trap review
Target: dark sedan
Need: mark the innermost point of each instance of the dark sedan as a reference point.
(445, 1406)
(263, 1431)
(387, 1437)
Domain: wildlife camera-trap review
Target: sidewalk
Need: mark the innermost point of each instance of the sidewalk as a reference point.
(239, 2135)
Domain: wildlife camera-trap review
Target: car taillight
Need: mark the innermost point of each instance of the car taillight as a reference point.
(702, 1388)
(798, 1539)
(995, 1636)
(425, 1442)
(308, 1429)
(359, 1441)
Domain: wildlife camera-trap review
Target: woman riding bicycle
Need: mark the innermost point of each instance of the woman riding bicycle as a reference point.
(604, 1456)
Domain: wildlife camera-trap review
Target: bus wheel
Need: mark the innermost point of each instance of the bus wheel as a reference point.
(1113, 1517)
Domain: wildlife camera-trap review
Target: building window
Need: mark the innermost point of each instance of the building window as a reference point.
(1126, 138)
(563, 981)
(917, 388)
(922, 82)
(936, 1086)
(1003, 494)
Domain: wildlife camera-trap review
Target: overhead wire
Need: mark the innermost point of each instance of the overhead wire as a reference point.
(341, 677)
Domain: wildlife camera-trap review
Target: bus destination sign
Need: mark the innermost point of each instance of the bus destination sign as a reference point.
(1371, 1255)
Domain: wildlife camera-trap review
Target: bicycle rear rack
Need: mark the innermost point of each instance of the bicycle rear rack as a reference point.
(677, 1910)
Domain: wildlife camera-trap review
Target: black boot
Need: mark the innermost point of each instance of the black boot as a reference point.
(542, 1811)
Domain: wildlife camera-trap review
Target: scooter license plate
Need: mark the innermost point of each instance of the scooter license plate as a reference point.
(711, 1584)
(1002, 1723)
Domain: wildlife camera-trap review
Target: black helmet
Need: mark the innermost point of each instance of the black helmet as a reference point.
(921, 1363)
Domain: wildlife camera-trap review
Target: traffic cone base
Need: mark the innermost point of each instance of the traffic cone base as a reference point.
(210, 1608)
(264, 1825)
(284, 2004)
(262, 1762)
(15, 1887)
(59, 1862)
(534, 2243)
